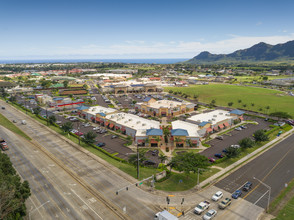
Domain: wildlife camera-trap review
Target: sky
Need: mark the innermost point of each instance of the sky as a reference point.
(127, 29)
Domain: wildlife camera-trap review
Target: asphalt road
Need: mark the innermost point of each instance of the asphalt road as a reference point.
(58, 195)
(98, 175)
(233, 137)
(274, 168)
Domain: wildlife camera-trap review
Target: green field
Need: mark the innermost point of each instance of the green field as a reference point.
(225, 93)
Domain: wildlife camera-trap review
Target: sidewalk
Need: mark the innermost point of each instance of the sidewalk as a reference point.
(228, 170)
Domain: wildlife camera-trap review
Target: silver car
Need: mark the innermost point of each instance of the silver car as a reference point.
(210, 214)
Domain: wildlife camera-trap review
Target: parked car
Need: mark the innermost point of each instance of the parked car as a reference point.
(225, 150)
(79, 133)
(201, 207)
(95, 128)
(247, 186)
(14, 121)
(58, 122)
(87, 125)
(3, 107)
(235, 146)
(210, 214)
(211, 159)
(225, 203)
(220, 137)
(238, 129)
(154, 152)
(219, 155)
(236, 194)
(243, 127)
(114, 136)
(100, 144)
(218, 195)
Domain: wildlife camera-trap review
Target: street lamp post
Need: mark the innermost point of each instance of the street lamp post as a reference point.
(37, 209)
(47, 115)
(269, 191)
(138, 173)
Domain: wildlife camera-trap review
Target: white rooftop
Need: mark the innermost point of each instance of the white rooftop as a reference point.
(100, 109)
(214, 117)
(191, 128)
(114, 75)
(165, 104)
(134, 122)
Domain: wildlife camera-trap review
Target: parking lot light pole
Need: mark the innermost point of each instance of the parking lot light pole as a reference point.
(269, 192)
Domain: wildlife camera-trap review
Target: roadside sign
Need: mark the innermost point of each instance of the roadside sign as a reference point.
(171, 195)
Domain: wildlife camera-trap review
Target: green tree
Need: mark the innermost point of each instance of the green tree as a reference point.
(232, 152)
(265, 78)
(239, 101)
(52, 119)
(162, 158)
(246, 143)
(189, 162)
(37, 110)
(267, 109)
(244, 105)
(13, 193)
(12, 98)
(260, 136)
(90, 137)
(280, 115)
(230, 103)
(66, 127)
(65, 84)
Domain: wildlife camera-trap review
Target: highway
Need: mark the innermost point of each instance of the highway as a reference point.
(51, 186)
(91, 173)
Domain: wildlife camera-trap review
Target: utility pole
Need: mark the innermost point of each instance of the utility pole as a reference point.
(47, 116)
(138, 174)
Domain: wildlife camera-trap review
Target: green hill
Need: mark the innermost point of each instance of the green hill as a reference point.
(260, 52)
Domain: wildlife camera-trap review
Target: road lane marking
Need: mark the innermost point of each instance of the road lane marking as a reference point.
(261, 197)
(86, 204)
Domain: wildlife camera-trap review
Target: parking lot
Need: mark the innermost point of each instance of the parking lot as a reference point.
(234, 136)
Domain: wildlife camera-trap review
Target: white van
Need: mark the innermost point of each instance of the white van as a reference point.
(23, 122)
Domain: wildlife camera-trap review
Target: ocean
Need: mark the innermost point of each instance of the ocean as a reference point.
(148, 61)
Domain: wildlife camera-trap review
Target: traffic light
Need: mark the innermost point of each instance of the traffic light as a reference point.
(182, 201)
(167, 200)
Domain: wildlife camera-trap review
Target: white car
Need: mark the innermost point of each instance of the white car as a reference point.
(218, 195)
(210, 214)
(96, 128)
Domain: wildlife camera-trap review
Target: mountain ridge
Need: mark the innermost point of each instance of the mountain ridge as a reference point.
(261, 52)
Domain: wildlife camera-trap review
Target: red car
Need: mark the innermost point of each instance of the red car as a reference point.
(79, 133)
(211, 159)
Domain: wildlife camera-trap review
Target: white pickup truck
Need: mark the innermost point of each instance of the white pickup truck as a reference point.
(201, 207)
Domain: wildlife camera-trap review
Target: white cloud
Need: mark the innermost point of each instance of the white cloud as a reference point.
(172, 49)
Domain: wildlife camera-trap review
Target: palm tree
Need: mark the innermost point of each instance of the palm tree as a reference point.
(52, 119)
(162, 158)
(189, 142)
(90, 137)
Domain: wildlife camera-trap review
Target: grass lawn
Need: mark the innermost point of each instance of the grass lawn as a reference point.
(283, 204)
(181, 182)
(225, 93)
(257, 78)
(186, 150)
(10, 126)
